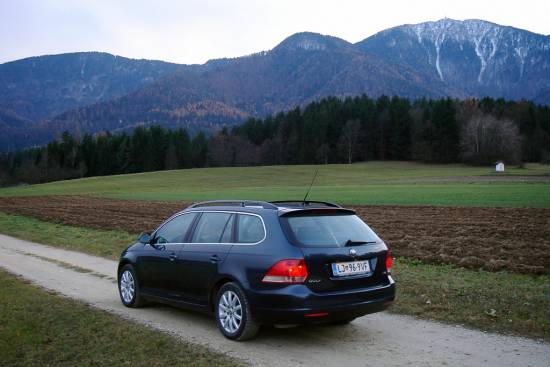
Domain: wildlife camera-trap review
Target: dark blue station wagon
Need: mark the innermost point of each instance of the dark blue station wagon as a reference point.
(254, 263)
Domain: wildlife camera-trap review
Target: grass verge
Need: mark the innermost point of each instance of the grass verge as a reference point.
(499, 302)
(438, 292)
(38, 328)
(105, 243)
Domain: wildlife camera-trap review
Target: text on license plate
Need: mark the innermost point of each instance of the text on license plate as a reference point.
(350, 268)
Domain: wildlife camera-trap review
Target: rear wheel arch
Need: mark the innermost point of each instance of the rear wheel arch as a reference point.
(214, 290)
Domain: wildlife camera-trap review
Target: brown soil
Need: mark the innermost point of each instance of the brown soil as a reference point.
(83, 211)
(493, 239)
(489, 238)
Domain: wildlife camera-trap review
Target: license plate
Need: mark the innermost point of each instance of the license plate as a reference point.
(350, 268)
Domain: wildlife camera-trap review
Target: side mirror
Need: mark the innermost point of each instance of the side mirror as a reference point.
(145, 237)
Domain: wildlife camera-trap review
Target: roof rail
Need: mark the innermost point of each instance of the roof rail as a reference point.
(241, 203)
(306, 203)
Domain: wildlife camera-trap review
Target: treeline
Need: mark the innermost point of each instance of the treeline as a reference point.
(329, 131)
(145, 149)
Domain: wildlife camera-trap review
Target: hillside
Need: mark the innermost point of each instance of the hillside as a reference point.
(471, 57)
(302, 68)
(40, 87)
(91, 92)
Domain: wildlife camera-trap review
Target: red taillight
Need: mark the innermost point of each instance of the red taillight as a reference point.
(389, 261)
(287, 271)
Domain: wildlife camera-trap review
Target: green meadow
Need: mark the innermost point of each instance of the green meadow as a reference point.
(390, 183)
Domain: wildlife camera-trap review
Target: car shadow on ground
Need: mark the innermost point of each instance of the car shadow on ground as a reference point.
(306, 335)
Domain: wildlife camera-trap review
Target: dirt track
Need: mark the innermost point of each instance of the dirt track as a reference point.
(494, 239)
(380, 339)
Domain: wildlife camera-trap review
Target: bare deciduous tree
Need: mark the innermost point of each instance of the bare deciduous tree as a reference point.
(348, 139)
(485, 139)
(230, 150)
(322, 153)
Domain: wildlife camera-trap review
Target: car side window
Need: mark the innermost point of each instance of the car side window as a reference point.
(175, 230)
(227, 235)
(250, 229)
(213, 228)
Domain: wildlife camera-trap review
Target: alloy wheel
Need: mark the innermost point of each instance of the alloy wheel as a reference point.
(230, 311)
(127, 286)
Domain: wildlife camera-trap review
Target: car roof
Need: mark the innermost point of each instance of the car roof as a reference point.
(284, 207)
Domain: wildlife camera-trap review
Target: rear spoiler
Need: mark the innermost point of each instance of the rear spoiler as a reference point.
(315, 211)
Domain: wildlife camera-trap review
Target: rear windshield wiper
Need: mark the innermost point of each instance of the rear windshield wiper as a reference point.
(357, 243)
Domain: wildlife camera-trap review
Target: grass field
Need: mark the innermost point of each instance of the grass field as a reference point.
(400, 183)
(98, 242)
(440, 292)
(497, 301)
(38, 328)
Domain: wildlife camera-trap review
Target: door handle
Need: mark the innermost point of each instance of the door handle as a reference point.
(214, 259)
(173, 256)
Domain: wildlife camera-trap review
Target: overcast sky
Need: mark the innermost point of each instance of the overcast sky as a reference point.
(193, 31)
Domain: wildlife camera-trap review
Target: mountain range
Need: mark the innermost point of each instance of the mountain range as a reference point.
(90, 92)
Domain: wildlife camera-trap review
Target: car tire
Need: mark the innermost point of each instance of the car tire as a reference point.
(232, 304)
(128, 287)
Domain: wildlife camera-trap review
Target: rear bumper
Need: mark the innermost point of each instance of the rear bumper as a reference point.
(297, 304)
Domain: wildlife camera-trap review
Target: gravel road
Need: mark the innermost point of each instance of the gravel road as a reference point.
(380, 339)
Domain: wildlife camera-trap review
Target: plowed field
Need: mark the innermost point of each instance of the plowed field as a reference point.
(493, 239)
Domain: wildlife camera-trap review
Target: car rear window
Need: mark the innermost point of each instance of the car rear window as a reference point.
(328, 230)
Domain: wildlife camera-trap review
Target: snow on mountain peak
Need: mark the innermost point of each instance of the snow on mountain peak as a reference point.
(484, 37)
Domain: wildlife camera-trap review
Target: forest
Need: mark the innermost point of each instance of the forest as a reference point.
(331, 130)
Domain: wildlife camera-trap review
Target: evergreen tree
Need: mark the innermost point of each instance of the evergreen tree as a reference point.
(199, 150)
(446, 140)
(331, 130)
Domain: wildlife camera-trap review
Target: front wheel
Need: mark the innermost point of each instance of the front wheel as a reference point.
(233, 313)
(128, 287)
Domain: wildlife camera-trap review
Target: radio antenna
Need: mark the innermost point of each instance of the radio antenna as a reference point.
(310, 186)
